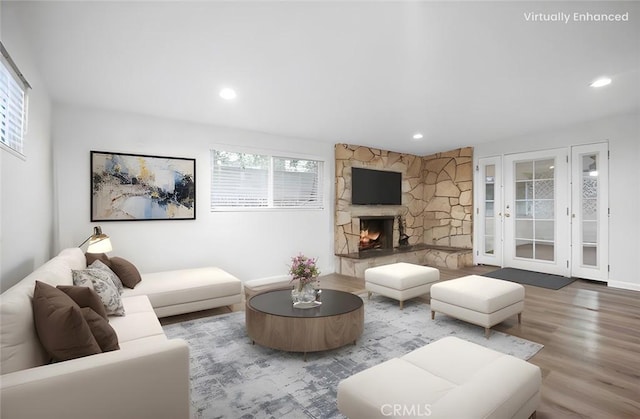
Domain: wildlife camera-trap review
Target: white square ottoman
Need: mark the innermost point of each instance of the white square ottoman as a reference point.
(479, 300)
(400, 281)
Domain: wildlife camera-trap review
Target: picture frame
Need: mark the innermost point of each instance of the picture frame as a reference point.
(140, 187)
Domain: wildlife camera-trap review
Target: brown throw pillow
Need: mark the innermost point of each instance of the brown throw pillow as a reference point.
(92, 257)
(101, 329)
(63, 331)
(85, 297)
(126, 271)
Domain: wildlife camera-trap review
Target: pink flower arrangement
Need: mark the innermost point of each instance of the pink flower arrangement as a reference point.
(303, 269)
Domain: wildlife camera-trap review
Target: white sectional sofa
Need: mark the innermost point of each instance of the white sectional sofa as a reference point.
(148, 377)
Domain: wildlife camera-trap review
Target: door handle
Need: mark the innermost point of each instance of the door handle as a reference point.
(507, 214)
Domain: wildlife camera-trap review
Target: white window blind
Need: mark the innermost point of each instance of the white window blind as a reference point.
(13, 119)
(245, 180)
(239, 179)
(296, 183)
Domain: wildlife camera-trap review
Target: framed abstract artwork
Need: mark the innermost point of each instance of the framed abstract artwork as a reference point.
(136, 187)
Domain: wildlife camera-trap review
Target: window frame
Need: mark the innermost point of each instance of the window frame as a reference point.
(19, 80)
(271, 155)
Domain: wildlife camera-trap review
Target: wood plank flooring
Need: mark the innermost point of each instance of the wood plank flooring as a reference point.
(591, 333)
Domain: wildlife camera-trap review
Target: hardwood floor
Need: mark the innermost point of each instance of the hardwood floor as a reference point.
(591, 335)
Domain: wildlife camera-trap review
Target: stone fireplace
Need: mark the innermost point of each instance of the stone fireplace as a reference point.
(432, 225)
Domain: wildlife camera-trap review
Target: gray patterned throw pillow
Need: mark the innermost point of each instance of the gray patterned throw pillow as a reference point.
(80, 279)
(103, 286)
(97, 264)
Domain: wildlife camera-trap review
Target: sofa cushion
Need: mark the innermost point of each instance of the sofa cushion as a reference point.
(104, 287)
(101, 330)
(135, 304)
(140, 321)
(373, 392)
(126, 271)
(62, 329)
(453, 359)
(499, 390)
(98, 264)
(85, 297)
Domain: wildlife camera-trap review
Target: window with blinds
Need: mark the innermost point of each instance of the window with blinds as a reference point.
(245, 180)
(13, 119)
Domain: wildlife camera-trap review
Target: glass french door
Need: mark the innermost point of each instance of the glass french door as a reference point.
(489, 213)
(544, 211)
(536, 225)
(590, 213)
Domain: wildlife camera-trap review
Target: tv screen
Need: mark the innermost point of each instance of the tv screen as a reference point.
(375, 187)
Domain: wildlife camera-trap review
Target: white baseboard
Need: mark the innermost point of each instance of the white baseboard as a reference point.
(633, 286)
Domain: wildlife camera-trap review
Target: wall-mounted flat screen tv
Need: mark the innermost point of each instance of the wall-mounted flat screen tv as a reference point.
(375, 187)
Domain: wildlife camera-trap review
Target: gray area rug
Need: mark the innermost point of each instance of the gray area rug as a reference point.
(231, 378)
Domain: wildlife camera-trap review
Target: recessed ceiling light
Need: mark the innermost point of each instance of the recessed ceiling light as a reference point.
(417, 136)
(602, 81)
(227, 93)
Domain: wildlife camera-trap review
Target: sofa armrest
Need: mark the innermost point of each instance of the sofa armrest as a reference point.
(149, 380)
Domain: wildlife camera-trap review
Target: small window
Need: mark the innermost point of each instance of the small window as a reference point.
(247, 180)
(13, 105)
(239, 180)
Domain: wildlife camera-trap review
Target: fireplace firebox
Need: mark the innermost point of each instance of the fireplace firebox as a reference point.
(376, 233)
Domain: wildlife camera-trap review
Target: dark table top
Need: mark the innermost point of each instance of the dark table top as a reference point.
(279, 303)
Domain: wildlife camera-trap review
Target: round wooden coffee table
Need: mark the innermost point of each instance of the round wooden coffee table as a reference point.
(272, 321)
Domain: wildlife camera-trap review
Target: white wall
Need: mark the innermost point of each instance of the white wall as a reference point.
(26, 213)
(249, 244)
(623, 134)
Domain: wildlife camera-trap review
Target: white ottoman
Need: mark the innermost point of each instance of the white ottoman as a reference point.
(478, 300)
(400, 281)
(449, 378)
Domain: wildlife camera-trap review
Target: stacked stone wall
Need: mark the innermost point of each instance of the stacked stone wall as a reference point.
(448, 187)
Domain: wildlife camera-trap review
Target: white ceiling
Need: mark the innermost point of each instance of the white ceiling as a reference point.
(367, 73)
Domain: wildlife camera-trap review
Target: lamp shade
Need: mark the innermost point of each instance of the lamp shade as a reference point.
(99, 245)
(98, 242)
